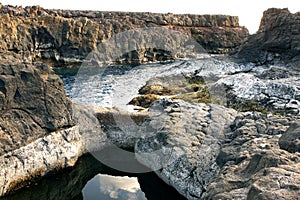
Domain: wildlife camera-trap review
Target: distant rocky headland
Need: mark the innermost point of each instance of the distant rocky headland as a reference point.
(63, 37)
(277, 39)
(233, 125)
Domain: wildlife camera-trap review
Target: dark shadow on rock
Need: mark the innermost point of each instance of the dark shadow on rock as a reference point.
(68, 183)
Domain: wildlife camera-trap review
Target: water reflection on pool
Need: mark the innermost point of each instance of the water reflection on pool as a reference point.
(107, 187)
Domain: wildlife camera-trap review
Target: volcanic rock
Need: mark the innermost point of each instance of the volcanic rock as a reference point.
(67, 36)
(276, 40)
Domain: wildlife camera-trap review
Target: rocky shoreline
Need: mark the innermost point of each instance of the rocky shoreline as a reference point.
(63, 37)
(232, 132)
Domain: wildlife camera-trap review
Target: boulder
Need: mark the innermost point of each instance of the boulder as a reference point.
(37, 132)
(33, 103)
(290, 140)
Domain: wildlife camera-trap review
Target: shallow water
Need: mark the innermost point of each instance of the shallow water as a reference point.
(91, 180)
(116, 86)
(112, 86)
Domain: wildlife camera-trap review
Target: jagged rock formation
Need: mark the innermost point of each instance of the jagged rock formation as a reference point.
(205, 151)
(65, 37)
(277, 39)
(247, 155)
(253, 166)
(37, 132)
(211, 152)
(33, 103)
(243, 87)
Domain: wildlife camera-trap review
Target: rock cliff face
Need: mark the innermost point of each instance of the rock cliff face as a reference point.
(33, 103)
(206, 151)
(60, 36)
(278, 38)
(36, 124)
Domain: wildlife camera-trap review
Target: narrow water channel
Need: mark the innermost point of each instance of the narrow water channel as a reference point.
(91, 180)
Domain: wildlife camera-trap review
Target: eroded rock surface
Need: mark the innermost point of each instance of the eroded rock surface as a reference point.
(65, 36)
(183, 144)
(33, 103)
(252, 164)
(47, 154)
(211, 152)
(276, 40)
(37, 132)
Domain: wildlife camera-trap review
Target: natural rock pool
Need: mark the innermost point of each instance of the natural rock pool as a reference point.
(91, 180)
(115, 86)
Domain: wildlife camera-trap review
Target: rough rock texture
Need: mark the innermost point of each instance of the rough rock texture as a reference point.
(37, 132)
(247, 92)
(120, 127)
(63, 36)
(55, 151)
(211, 152)
(290, 141)
(205, 151)
(144, 100)
(278, 38)
(252, 164)
(183, 144)
(33, 103)
(219, 80)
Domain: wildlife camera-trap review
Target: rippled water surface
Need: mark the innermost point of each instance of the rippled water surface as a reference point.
(116, 86)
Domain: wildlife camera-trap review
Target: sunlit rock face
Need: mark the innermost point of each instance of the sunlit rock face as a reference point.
(113, 187)
(66, 37)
